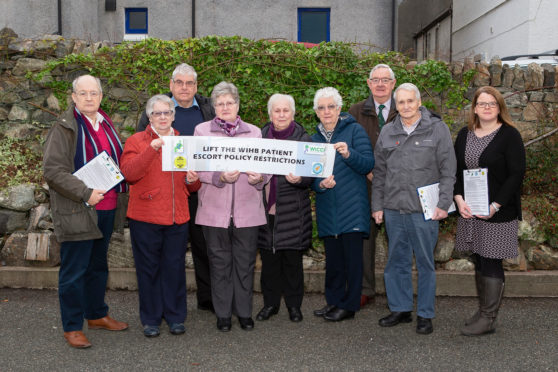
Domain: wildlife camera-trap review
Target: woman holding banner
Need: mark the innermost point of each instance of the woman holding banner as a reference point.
(230, 210)
(158, 218)
(288, 231)
(342, 206)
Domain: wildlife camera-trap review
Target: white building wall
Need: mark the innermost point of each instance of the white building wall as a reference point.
(503, 27)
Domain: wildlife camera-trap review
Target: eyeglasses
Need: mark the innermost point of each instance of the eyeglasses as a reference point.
(92, 94)
(492, 104)
(222, 105)
(188, 84)
(383, 80)
(159, 114)
(329, 107)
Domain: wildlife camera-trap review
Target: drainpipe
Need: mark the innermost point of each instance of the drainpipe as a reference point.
(193, 18)
(59, 32)
(393, 30)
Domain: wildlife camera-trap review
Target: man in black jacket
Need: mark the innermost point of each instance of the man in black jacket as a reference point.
(190, 110)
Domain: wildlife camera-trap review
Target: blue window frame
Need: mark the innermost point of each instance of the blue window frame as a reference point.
(313, 25)
(136, 20)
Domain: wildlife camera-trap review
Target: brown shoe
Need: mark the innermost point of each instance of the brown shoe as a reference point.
(77, 339)
(107, 323)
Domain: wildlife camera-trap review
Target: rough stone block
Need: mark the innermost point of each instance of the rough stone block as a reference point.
(52, 102)
(518, 79)
(37, 214)
(9, 97)
(444, 248)
(482, 77)
(18, 113)
(25, 65)
(3, 114)
(459, 265)
(534, 111)
(534, 76)
(542, 257)
(18, 198)
(516, 99)
(15, 247)
(120, 250)
(11, 221)
(549, 75)
(551, 97)
(528, 130)
(536, 96)
(495, 70)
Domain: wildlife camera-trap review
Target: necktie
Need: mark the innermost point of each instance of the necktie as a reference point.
(381, 120)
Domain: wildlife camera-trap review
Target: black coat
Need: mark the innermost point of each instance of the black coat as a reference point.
(504, 157)
(292, 228)
(206, 108)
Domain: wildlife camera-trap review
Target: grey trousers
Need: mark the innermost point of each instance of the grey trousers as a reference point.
(369, 262)
(232, 257)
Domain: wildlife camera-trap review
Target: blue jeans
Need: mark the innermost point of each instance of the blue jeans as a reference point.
(82, 278)
(408, 233)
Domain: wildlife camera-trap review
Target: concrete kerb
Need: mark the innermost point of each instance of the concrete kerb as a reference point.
(539, 283)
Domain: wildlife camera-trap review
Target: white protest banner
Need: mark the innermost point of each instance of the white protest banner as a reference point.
(261, 155)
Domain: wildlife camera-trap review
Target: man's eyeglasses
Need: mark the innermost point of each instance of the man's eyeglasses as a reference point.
(159, 114)
(383, 81)
(92, 94)
(181, 83)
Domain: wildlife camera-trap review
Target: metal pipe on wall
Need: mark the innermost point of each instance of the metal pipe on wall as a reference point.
(59, 32)
(193, 18)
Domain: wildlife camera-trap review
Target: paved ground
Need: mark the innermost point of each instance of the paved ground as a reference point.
(526, 339)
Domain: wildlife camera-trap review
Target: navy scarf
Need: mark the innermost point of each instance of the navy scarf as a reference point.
(89, 146)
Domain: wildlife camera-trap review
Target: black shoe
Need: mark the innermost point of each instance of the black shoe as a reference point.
(224, 324)
(424, 326)
(295, 315)
(246, 324)
(337, 315)
(266, 312)
(324, 310)
(150, 331)
(206, 306)
(395, 318)
(177, 328)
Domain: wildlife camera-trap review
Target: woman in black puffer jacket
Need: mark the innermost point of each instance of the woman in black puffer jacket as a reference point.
(289, 220)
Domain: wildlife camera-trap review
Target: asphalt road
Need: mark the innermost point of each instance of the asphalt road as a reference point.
(526, 340)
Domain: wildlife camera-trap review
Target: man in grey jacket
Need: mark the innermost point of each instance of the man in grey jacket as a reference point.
(414, 150)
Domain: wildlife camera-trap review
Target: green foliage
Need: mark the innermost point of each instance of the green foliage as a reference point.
(258, 68)
(19, 163)
(540, 188)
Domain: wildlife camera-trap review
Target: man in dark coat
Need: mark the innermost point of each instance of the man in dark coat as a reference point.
(372, 113)
(190, 110)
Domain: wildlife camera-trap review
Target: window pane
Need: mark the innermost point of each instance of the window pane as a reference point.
(313, 26)
(138, 20)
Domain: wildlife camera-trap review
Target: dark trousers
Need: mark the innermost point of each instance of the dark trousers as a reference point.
(343, 280)
(232, 257)
(159, 254)
(282, 274)
(199, 254)
(82, 278)
(369, 261)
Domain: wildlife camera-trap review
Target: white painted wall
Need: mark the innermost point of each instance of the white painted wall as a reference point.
(504, 27)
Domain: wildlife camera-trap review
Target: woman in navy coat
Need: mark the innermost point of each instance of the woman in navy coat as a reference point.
(342, 206)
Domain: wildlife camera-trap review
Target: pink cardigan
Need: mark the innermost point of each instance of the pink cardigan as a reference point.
(218, 201)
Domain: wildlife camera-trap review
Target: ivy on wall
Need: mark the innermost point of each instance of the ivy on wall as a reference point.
(259, 69)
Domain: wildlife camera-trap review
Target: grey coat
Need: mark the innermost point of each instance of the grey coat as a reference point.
(405, 162)
(72, 219)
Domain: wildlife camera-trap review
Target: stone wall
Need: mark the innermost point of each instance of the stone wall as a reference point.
(28, 108)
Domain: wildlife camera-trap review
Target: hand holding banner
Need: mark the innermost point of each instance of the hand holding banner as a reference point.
(308, 159)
